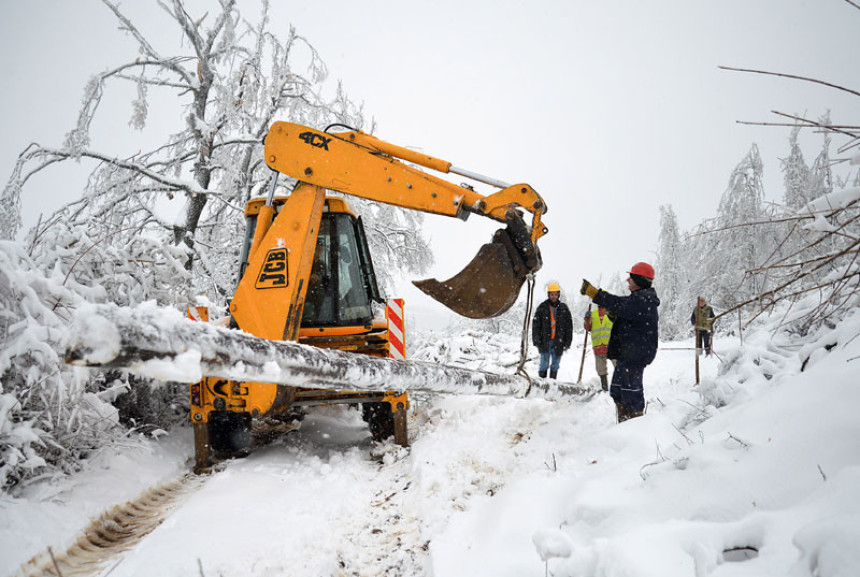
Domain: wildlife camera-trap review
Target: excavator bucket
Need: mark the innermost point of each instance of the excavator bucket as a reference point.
(491, 282)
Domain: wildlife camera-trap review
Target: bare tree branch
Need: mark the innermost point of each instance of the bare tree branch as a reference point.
(827, 127)
(57, 155)
(853, 4)
(144, 43)
(814, 123)
(793, 76)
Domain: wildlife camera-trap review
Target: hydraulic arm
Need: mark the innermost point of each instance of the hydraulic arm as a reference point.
(361, 165)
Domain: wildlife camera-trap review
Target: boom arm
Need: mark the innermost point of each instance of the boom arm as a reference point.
(361, 165)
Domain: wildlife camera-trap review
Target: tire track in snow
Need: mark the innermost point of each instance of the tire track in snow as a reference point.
(391, 534)
(114, 532)
(387, 535)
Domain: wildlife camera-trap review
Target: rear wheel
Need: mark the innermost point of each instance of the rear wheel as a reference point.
(380, 418)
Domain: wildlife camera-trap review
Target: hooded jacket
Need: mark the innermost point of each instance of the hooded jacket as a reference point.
(634, 332)
(542, 327)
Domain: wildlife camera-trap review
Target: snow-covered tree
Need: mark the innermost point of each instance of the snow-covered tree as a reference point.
(821, 173)
(738, 246)
(673, 275)
(812, 245)
(231, 80)
(49, 416)
(796, 174)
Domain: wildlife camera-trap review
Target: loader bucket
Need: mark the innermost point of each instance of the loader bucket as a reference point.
(491, 282)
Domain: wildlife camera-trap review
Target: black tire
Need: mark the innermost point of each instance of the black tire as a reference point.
(380, 419)
(230, 434)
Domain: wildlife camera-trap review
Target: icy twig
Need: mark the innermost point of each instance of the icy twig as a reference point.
(54, 561)
(661, 459)
(683, 434)
(738, 441)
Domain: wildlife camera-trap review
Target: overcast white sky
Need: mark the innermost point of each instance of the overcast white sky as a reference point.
(608, 109)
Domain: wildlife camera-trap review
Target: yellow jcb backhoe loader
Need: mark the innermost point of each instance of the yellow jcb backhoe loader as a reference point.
(307, 274)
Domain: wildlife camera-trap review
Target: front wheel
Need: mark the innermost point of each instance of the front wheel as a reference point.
(230, 434)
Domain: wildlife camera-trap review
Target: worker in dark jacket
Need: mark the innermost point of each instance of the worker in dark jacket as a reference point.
(633, 341)
(552, 331)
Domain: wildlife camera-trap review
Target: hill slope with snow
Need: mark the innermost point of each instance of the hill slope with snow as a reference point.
(754, 472)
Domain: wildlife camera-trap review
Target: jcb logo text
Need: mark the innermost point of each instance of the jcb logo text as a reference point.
(274, 271)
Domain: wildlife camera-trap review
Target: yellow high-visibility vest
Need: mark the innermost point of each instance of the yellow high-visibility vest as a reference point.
(600, 330)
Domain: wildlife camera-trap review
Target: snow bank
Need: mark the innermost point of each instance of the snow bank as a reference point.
(755, 473)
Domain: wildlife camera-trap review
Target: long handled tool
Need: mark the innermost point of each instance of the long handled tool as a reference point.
(584, 348)
(697, 356)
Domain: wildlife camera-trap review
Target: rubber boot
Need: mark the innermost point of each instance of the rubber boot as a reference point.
(553, 374)
(542, 374)
(625, 414)
(604, 383)
(620, 413)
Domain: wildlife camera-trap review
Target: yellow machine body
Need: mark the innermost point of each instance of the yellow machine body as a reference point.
(270, 302)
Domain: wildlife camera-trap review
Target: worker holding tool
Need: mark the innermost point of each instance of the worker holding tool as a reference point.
(552, 331)
(702, 320)
(633, 340)
(598, 323)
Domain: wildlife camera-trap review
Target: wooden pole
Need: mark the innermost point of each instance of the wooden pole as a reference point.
(740, 327)
(584, 348)
(696, 348)
(162, 344)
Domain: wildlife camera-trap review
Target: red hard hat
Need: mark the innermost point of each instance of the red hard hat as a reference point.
(642, 269)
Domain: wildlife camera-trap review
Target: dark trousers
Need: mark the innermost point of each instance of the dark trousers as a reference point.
(626, 386)
(703, 340)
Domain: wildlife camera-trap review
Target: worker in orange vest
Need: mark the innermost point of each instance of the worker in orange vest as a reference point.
(552, 331)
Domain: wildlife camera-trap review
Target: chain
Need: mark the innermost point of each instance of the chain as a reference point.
(524, 341)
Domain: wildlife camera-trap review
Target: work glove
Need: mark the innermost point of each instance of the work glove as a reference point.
(587, 289)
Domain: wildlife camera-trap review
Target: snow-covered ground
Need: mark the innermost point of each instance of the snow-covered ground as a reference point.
(754, 472)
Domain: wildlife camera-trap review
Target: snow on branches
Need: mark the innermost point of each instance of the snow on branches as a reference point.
(756, 254)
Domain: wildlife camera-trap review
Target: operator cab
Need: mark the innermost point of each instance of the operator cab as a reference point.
(342, 284)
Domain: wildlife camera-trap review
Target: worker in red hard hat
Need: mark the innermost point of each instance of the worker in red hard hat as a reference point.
(633, 341)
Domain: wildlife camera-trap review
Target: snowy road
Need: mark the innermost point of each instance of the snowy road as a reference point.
(311, 505)
(319, 503)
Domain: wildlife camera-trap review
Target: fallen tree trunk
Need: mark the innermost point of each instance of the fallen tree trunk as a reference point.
(162, 344)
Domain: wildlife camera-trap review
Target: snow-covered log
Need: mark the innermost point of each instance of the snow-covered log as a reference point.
(161, 343)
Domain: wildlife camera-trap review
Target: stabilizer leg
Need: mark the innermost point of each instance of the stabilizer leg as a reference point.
(202, 448)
